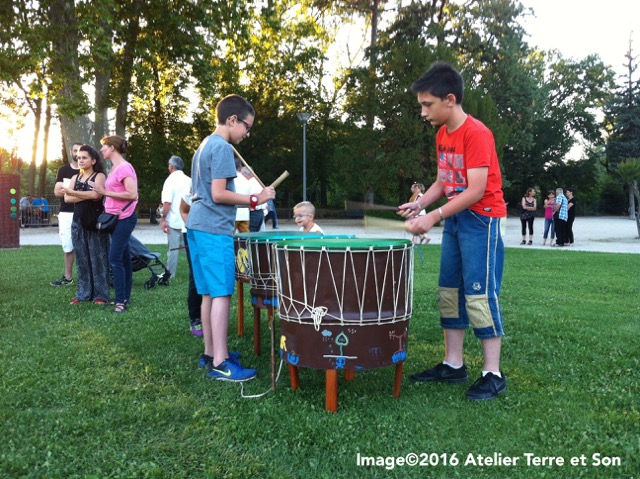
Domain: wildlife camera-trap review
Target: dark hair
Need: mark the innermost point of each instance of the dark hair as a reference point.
(441, 80)
(233, 105)
(570, 189)
(119, 143)
(99, 166)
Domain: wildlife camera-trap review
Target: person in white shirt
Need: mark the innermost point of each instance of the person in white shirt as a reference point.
(256, 217)
(244, 188)
(171, 222)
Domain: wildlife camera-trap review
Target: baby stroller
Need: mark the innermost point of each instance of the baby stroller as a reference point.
(141, 258)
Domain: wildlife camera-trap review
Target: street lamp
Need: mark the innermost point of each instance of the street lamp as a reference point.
(304, 118)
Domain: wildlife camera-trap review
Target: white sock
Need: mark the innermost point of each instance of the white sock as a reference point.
(499, 374)
(451, 365)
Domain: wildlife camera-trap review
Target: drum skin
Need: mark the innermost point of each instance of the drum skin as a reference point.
(345, 304)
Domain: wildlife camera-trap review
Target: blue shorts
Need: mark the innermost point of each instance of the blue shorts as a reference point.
(212, 262)
(471, 274)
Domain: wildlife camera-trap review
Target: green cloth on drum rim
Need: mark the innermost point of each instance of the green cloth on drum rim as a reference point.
(338, 244)
(273, 236)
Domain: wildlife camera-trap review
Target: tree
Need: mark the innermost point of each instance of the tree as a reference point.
(629, 171)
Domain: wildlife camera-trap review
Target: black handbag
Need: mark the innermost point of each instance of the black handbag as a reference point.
(107, 221)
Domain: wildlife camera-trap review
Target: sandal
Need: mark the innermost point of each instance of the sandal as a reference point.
(120, 308)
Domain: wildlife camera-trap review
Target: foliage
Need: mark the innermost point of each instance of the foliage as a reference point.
(87, 395)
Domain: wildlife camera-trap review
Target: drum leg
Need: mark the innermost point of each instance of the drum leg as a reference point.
(293, 376)
(240, 308)
(331, 402)
(397, 380)
(256, 331)
(349, 374)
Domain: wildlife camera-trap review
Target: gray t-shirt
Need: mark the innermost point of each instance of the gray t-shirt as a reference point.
(213, 160)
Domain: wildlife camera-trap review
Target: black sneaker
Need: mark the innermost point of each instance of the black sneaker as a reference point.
(487, 387)
(442, 373)
(62, 282)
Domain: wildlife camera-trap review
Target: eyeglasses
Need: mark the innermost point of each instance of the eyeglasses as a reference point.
(247, 125)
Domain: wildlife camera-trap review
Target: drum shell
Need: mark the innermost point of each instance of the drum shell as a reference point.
(368, 298)
(243, 266)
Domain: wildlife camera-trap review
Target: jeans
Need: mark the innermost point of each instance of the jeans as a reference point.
(194, 300)
(548, 224)
(255, 220)
(471, 269)
(120, 258)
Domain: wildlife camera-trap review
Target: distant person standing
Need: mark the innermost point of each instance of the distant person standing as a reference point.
(549, 206)
(176, 184)
(560, 217)
(65, 216)
(25, 210)
(571, 203)
(529, 205)
(271, 214)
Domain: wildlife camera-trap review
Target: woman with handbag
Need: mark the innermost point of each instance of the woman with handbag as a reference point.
(121, 197)
(90, 246)
(528, 204)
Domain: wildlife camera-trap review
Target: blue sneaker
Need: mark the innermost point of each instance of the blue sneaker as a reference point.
(232, 370)
(207, 361)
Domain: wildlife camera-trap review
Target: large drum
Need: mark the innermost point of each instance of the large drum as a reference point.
(344, 303)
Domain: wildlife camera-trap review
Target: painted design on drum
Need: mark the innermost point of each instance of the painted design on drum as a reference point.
(242, 261)
(401, 354)
(342, 340)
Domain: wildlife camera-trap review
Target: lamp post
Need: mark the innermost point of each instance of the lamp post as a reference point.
(304, 118)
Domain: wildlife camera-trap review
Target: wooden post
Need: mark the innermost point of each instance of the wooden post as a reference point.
(397, 380)
(293, 376)
(349, 374)
(331, 379)
(256, 331)
(272, 328)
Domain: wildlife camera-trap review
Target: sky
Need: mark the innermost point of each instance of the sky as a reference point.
(577, 28)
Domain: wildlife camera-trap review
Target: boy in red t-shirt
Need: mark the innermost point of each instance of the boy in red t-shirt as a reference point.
(472, 247)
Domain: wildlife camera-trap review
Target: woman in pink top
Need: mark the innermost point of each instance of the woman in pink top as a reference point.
(549, 203)
(121, 197)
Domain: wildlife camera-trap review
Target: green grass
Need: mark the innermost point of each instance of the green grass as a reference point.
(87, 394)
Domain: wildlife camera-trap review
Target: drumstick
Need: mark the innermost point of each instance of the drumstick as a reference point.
(247, 166)
(280, 179)
(358, 205)
(384, 223)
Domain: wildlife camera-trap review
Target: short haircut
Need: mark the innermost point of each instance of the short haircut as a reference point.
(99, 166)
(120, 144)
(233, 105)
(441, 80)
(559, 191)
(307, 206)
(570, 190)
(176, 162)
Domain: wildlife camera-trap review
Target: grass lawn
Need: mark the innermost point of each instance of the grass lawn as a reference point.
(88, 394)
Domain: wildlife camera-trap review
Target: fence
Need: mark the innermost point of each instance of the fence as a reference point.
(37, 216)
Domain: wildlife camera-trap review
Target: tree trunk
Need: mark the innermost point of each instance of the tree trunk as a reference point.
(37, 113)
(45, 151)
(66, 81)
(126, 73)
(101, 123)
(636, 193)
(632, 201)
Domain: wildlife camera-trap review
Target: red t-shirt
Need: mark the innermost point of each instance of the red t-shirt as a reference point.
(470, 146)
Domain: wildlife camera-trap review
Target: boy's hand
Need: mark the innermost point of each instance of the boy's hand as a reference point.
(422, 224)
(267, 193)
(409, 210)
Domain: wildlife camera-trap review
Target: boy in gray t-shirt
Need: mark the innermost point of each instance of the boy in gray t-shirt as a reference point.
(210, 227)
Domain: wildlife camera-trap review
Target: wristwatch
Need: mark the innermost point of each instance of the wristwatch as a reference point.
(254, 201)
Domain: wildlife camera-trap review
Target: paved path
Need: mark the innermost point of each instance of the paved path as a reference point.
(605, 234)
